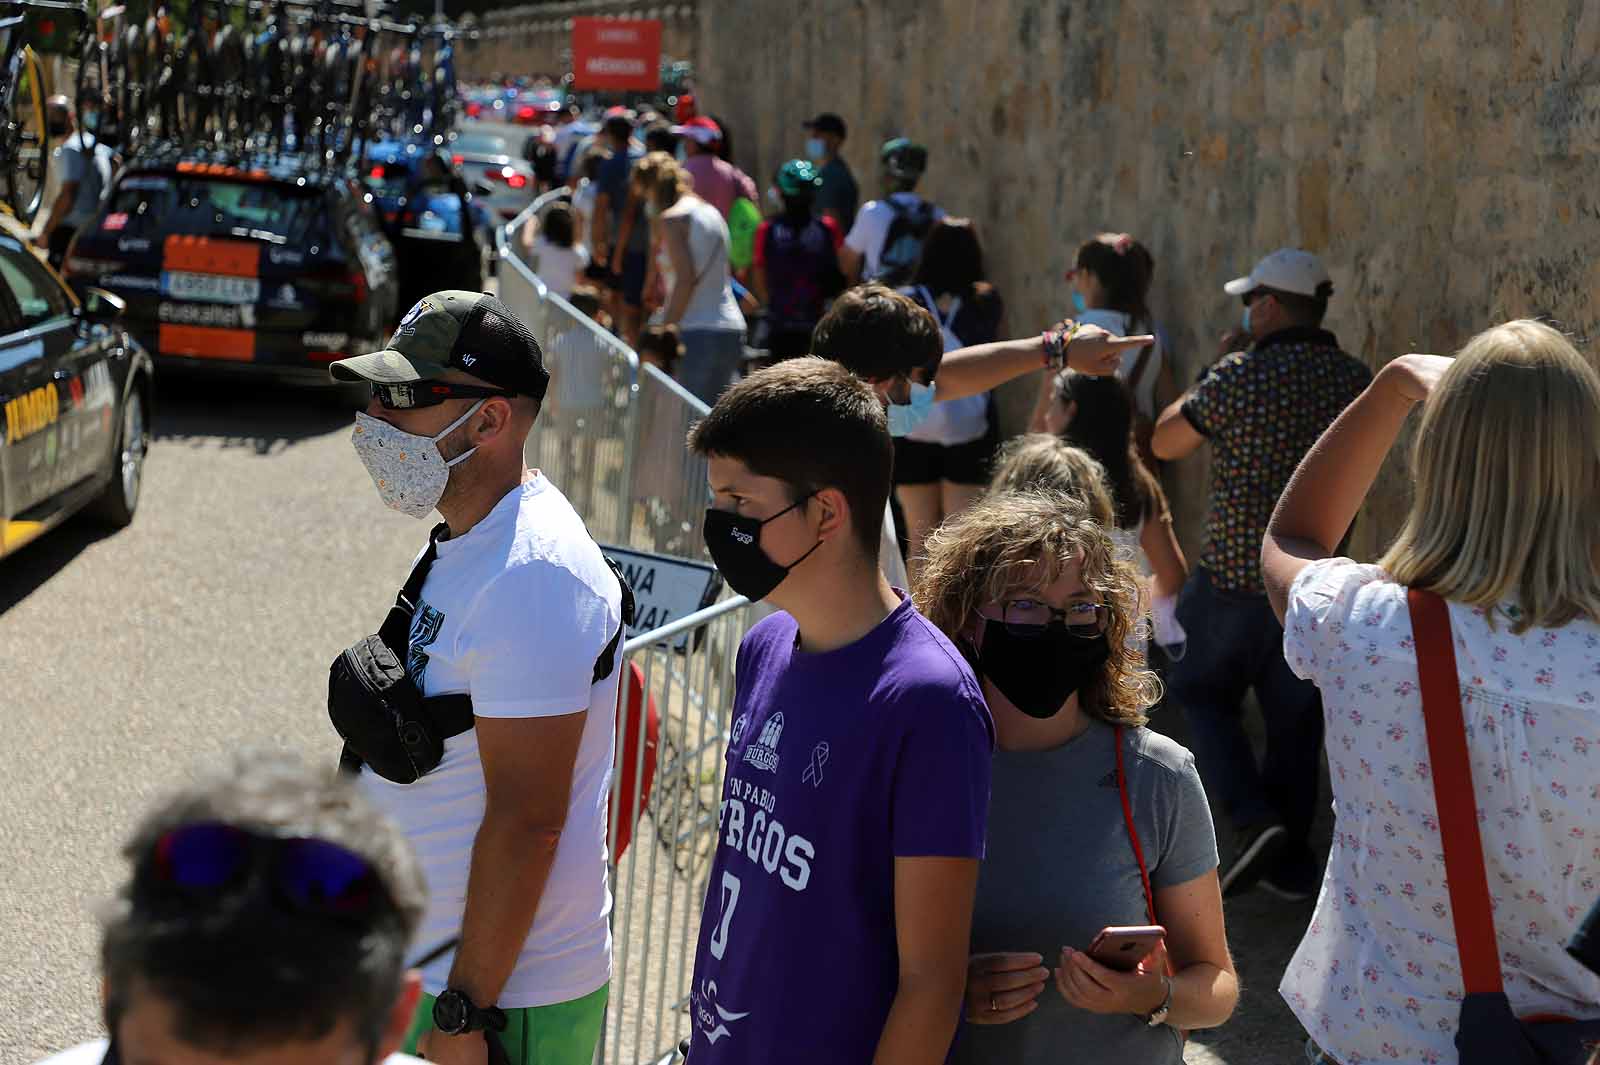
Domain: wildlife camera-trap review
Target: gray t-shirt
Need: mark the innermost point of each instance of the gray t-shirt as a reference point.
(90, 167)
(1060, 867)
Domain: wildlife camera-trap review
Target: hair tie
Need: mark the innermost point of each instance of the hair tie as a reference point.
(1123, 242)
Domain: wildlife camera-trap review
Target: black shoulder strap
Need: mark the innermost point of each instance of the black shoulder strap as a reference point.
(395, 631)
(607, 660)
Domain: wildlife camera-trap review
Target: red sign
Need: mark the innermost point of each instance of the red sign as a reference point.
(616, 54)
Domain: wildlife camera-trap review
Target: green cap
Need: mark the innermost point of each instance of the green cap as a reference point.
(455, 330)
(798, 177)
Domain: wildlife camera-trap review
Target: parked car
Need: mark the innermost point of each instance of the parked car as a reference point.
(275, 269)
(424, 224)
(490, 160)
(75, 392)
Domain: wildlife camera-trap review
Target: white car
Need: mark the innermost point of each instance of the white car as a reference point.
(487, 159)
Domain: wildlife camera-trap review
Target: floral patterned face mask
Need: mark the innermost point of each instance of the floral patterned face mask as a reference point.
(409, 471)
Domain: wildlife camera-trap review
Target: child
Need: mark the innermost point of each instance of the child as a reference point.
(660, 346)
(836, 917)
(553, 253)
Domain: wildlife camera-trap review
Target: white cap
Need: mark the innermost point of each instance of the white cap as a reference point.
(1287, 270)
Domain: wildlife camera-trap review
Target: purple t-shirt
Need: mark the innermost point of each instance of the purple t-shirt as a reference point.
(837, 764)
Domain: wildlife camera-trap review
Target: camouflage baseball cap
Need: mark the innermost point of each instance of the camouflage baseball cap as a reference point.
(455, 330)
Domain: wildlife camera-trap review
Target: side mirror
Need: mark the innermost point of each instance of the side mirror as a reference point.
(102, 307)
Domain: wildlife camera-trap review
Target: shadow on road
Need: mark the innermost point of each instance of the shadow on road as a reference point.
(260, 415)
(29, 568)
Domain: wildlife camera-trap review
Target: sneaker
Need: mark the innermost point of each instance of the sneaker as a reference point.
(1294, 877)
(1255, 850)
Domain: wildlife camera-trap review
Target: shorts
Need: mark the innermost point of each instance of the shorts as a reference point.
(635, 265)
(920, 462)
(563, 1033)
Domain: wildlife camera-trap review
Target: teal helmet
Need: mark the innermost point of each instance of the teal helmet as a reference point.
(798, 177)
(903, 159)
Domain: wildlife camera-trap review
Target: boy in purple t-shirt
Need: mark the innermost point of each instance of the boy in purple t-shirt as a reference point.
(837, 915)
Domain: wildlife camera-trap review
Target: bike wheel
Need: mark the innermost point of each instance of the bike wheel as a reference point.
(26, 140)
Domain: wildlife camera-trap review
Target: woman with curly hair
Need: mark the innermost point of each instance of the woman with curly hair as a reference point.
(1094, 821)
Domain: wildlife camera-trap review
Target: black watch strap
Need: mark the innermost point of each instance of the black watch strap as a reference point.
(456, 1014)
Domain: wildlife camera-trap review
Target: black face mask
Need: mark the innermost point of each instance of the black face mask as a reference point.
(1039, 674)
(734, 542)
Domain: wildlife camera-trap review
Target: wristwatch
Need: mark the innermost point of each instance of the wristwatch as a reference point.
(1158, 1016)
(455, 1014)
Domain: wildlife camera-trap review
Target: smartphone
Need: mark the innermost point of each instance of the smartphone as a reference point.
(1123, 947)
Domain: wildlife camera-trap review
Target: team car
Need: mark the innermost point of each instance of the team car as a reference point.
(75, 392)
(275, 269)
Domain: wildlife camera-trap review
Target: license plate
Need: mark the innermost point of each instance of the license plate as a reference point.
(210, 288)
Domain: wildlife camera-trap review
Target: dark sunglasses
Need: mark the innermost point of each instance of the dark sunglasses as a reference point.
(210, 859)
(429, 394)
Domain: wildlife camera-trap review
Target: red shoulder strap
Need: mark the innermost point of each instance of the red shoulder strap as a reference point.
(1133, 833)
(1452, 792)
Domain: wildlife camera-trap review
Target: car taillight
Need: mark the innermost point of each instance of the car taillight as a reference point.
(525, 112)
(509, 177)
(456, 159)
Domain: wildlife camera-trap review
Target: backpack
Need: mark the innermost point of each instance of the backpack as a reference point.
(902, 245)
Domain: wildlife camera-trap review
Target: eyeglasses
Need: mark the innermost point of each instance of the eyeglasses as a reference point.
(1026, 618)
(209, 859)
(429, 394)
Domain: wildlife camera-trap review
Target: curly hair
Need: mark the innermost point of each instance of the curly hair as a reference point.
(1026, 539)
(1044, 460)
(660, 179)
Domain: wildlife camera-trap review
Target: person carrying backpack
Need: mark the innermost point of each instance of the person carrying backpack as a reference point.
(886, 241)
(796, 261)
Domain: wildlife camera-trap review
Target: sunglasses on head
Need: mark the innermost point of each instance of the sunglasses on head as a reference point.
(209, 859)
(416, 394)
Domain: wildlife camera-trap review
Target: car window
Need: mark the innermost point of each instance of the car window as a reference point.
(37, 295)
(482, 144)
(389, 179)
(155, 205)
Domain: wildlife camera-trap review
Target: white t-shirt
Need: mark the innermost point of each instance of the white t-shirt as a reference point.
(1377, 976)
(556, 266)
(583, 206)
(93, 1053)
(1120, 323)
(515, 612)
(872, 226)
(952, 421)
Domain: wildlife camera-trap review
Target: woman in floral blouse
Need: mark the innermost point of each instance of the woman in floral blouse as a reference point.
(1504, 525)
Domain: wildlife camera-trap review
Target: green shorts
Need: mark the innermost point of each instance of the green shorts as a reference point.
(565, 1033)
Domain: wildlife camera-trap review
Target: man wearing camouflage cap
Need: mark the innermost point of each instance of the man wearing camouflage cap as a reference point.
(514, 611)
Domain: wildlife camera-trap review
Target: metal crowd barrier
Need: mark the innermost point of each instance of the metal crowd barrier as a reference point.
(612, 436)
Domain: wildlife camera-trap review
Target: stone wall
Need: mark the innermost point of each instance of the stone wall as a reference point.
(1438, 155)
(537, 38)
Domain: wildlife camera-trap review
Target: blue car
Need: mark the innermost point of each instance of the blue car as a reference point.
(424, 223)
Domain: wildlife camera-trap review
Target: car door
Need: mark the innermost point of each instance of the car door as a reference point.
(49, 440)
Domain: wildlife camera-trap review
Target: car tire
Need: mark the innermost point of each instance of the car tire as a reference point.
(117, 502)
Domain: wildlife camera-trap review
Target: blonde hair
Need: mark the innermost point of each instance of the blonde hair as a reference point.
(1015, 539)
(1044, 460)
(1506, 465)
(659, 177)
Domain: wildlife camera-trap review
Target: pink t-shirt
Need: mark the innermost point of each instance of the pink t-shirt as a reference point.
(718, 182)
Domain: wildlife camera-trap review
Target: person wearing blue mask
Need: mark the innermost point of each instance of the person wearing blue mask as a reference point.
(1261, 409)
(838, 195)
(895, 344)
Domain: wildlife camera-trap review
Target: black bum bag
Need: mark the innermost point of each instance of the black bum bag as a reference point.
(385, 721)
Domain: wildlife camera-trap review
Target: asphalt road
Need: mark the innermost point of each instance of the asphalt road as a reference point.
(259, 551)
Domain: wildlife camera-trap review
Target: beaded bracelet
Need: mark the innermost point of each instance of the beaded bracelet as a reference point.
(1056, 342)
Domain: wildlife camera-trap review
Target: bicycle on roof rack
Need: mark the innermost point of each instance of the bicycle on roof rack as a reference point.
(319, 79)
(24, 132)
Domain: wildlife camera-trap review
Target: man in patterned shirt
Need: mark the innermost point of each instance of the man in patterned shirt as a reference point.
(1261, 409)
